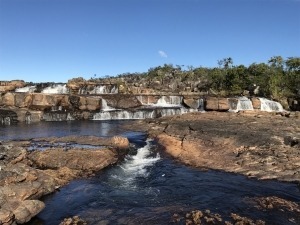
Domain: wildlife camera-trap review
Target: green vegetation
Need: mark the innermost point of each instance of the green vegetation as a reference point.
(276, 79)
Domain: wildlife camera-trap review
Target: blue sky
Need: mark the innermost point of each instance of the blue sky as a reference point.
(56, 40)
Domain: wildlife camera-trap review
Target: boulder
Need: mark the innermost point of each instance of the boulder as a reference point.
(217, 104)
(8, 99)
(212, 103)
(6, 216)
(27, 209)
(294, 103)
(75, 220)
(21, 100)
(191, 102)
(223, 104)
(89, 103)
(39, 102)
(120, 142)
(93, 103)
(74, 159)
(256, 103)
(82, 103)
(119, 101)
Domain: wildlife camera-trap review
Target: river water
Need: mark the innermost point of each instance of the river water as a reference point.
(148, 187)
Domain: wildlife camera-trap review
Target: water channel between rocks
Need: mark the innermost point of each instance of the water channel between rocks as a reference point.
(148, 187)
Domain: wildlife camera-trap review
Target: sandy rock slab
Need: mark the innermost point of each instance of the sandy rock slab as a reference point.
(26, 176)
(256, 144)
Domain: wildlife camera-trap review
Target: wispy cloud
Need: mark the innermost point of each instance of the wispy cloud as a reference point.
(162, 54)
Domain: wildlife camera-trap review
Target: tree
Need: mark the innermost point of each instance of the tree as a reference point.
(293, 64)
(276, 61)
(226, 62)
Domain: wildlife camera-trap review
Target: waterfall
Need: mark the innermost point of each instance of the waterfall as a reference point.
(161, 112)
(114, 90)
(162, 102)
(28, 118)
(169, 101)
(105, 107)
(56, 89)
(270, 106)
(175, 100)
(143, 113)
(240, 104)
(134, 166)
(28, 89)
(57, 116)
(99, 90)
(6, 120)
(103, 89)
(201, 105)
(123, 115)
(244, 103)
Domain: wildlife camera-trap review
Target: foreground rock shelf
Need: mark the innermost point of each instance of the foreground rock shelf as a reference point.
(26, 176)
(256, 144)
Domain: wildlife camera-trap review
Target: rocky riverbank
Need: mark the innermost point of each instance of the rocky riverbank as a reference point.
(255, 144)
(26, 174)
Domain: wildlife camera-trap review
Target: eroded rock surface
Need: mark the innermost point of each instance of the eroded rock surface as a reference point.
(25, 176)
(253, 143)
(197, 217)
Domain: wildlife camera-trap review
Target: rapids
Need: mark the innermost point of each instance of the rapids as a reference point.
(148, 187)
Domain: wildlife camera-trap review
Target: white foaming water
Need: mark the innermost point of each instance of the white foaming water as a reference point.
(169, 101)
(99, 90)
(105, 107)
(140, 114)
(103, 89)
(123, 115)
(270, 106)
(28, 89)
(243, 103)
(135, 166)
(114, 90)
(201, 105)
(56, 89)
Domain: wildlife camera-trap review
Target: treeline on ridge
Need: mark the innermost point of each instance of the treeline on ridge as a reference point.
(276, 79)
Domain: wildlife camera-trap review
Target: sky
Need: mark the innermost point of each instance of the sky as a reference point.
(56, 40)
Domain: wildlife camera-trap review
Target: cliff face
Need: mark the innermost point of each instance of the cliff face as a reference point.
(118, 98)
(32, 107)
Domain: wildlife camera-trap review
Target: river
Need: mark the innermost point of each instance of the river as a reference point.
(148, 187)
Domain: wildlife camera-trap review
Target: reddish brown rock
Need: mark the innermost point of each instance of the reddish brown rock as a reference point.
(217, 104)
(122, 101)
(89, 103)
(256, 103)
(223, 104)
(6, 217)
(232, 142)
(25, 177)
(93, 103)
(75, 220)
(8, 99)
(27, 209)
(85, 160)
(6, 86)
(191, 102)
(120, 142)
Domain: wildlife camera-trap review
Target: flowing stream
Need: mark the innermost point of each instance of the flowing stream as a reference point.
(148, 187)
